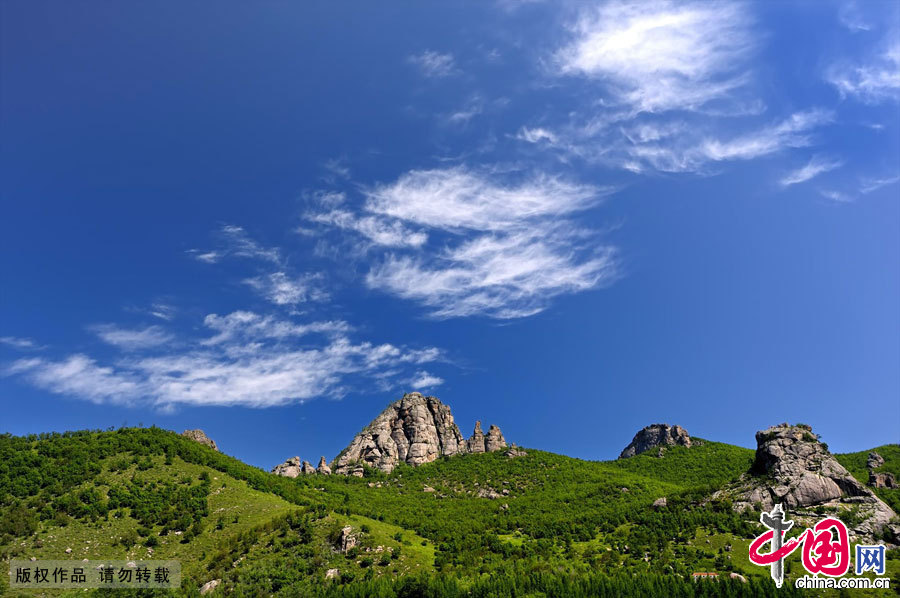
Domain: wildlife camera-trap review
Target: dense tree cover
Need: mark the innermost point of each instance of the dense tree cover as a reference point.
(538, 525)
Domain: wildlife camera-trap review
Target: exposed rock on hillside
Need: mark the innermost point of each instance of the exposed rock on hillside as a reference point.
(794, 469)
(882, 480)
(414, 430)
(323, 467)
(289, 469)
(481, 443)
(656, 435)
(201, 437)
(874, 461)
(476, 442)
(307, 469)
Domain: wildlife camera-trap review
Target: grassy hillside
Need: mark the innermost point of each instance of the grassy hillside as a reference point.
(856, 465)
(474, 525)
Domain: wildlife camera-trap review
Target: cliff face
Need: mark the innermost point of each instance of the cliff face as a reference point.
(414, 430)
(656, 435)
(794, 469)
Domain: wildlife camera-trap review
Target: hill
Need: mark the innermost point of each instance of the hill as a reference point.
(473, 524)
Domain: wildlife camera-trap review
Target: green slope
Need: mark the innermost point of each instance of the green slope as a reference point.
(474, 525)
(856, 465)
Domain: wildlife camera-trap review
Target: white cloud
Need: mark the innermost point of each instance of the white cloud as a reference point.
(536, 135)
(500, 244)
(21, 344)
(836, 196)
(423, 380)
(282, 289)
(791, 132)
(236, 242)
(655, 56)
(458, 198)
(875, 81)
(78, 376)
(379, 231)
(510, 275)
(246, 324)
(817, 165)
(873, 184)
(249, 362)
(132, 339)
(434, 64)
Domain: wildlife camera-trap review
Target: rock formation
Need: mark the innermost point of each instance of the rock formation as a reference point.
(656, 435)
(201, 437)
(290, 468)
(879, 479)
(794, 469)
(481, 443)
(476, 442)
(306, 468)
(513, 451)
(494, 440)
(874, 461)
(882, 480)
(414, 430)
(323, 467)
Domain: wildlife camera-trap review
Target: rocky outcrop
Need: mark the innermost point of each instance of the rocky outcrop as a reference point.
(794, 469)
(879, 479)
(882, 480)
(201, 437)
(289, 469)
(513, 451)
(656, 435)
(306, 468)
(494, 440)
(660, 502)
(323, 468)
(486, 443)
(414, 430)
(874, 461)
(476, 442)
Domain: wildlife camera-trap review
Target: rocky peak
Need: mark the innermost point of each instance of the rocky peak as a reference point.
(494, 440)
(323, 466)
(794, 469)
(290, 468)
(656, 435)
(416, 429)
(201, 437)
(476, 442)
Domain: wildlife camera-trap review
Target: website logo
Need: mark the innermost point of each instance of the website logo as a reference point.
(825, 551)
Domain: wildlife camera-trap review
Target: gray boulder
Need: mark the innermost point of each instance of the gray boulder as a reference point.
(201, 437)
(290, 468)
(323, 467)
(656, 435)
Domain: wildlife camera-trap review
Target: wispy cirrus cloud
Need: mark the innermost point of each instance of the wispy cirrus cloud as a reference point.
(132, 339)
(250, 360)
(657, 56)
(235, 242)
(817, 165)
(19, 343)
(872, 80)
(499, 245)
(870, 184)
(434, 64)
(277, 283)
(283, 289)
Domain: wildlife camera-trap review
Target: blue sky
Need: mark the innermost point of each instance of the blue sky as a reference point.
(567, 219)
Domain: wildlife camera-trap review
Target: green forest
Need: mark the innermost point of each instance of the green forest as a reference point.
(469, 525)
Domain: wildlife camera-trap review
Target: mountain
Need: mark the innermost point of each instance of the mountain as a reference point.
(504, 523)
